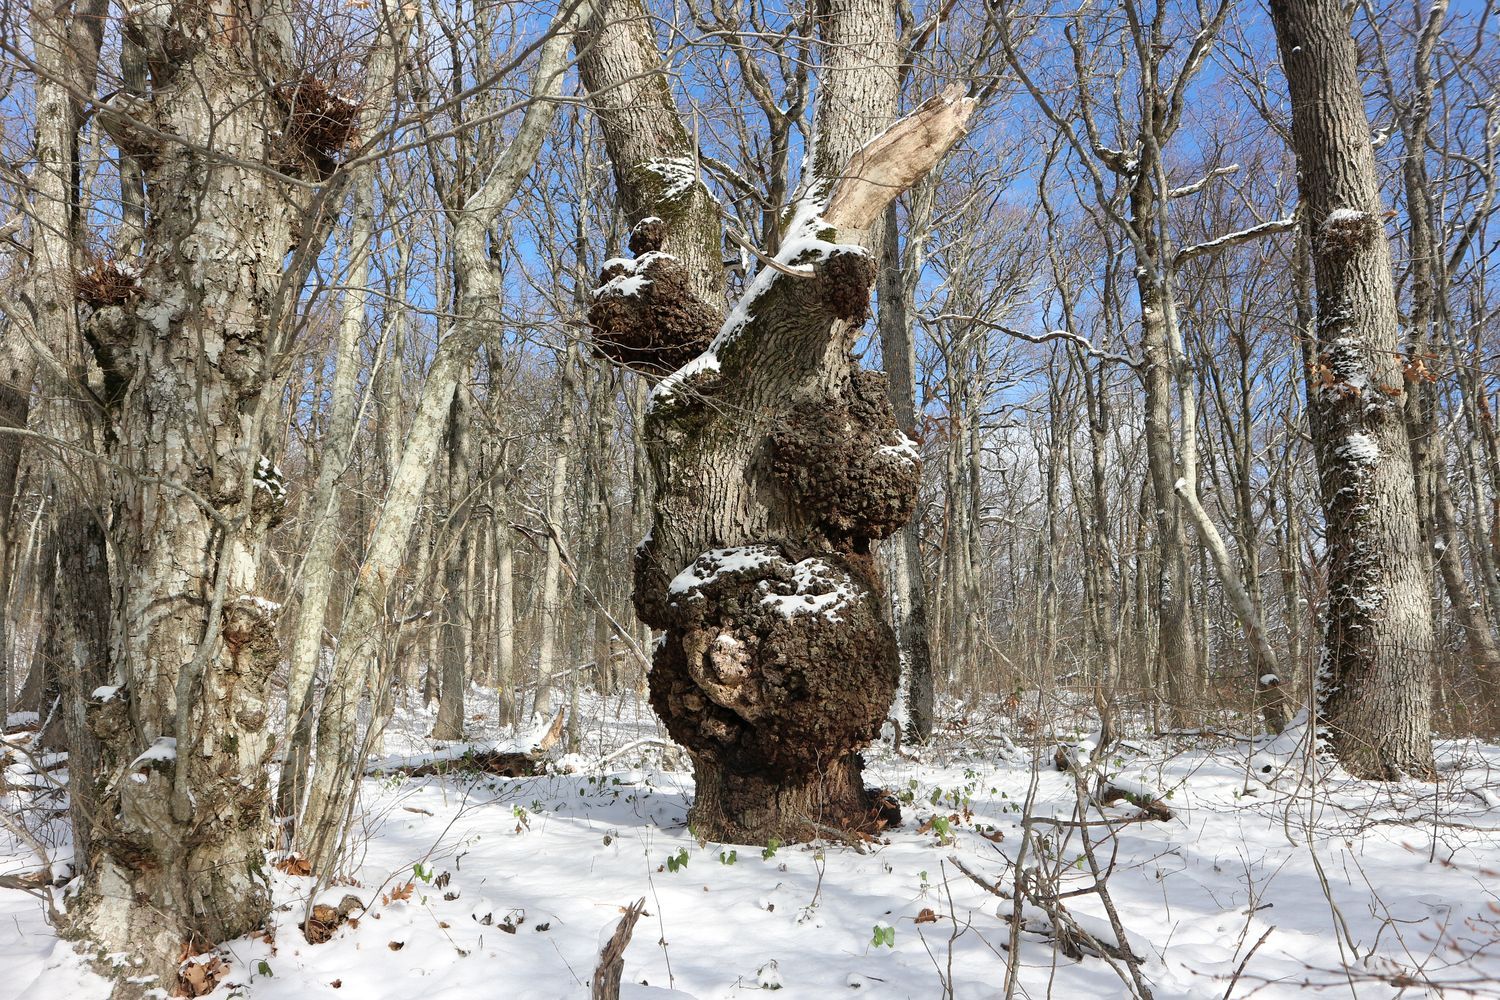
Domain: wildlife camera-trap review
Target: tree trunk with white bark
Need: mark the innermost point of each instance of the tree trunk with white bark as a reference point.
(186, 338)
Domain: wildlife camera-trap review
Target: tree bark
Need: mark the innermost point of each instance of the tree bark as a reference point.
(1473, 619)
(336, 768)
(186, 339)
(557, 484)
(338, 441)
(777, 462)
(909, 585)
(1374, 679)
(457, 626)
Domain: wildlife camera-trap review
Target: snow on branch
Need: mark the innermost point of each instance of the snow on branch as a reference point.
(894, 160)
(1077, 340)
(1202, 182)
(1232, 239)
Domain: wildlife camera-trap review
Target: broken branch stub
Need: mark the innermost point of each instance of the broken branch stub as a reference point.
(611, 968)
(893, 161)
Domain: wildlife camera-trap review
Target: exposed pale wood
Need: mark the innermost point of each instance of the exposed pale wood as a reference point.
(894, 160)
(605, 984)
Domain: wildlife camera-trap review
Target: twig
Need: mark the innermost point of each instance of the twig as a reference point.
(1246, 961)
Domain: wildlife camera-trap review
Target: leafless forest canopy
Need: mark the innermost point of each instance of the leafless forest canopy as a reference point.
(796, 366)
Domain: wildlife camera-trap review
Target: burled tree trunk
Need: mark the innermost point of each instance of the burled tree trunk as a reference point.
(185, 338)
(1374, 681)
(777, 460)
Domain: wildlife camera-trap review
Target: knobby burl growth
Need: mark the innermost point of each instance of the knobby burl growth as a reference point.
(777, 663)
(644, 315)
(777, 462)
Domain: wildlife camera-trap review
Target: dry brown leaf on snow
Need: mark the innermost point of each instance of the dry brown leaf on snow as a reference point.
(294, 864)
(927, 916)
(321, 925)
(200, 978)
(400, 892)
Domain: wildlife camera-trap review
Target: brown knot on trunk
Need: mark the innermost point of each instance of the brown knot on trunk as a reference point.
(845, 462)
(1347, 230)
(645, 316)
(845, 277)
(249, 630)
(743, 676)
(648, 235)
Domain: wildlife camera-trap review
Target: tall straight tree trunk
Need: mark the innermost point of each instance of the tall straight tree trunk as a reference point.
(1177, 651)
(1102, 558)
(1473, 619)
(601, 515)
(1263, 661)
(316, 580)
(1374, 680)
(336, 762)
(908, 577)
(456, 621)
(75, 645)
(505, 616)
(17, 371)
(557, 487)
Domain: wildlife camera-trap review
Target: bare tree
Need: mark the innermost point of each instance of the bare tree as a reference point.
(1374, 681)
(776, 458)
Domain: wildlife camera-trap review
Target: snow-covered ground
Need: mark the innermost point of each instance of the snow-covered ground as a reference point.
(1343, 889)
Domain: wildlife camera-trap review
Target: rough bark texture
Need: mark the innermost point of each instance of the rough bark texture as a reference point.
(1374, 681)
(179, 835)
(654, 158)
(17, 369)
(75, 651)
(773, 673)
(1179, 654)
(645, 315)
(908, 575)
(777, 461)
(457, 627)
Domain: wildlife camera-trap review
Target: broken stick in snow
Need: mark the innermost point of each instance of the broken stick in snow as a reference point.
(611, 967)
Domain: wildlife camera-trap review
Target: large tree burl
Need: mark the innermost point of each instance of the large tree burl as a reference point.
(771, 666)
(848, 463)
(645, 315)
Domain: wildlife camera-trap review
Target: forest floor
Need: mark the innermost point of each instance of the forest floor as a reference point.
(1263, 883)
